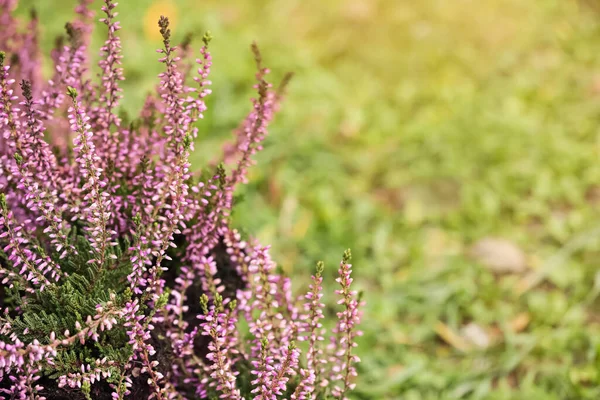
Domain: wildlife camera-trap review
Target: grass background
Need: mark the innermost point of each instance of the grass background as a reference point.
(413, 129)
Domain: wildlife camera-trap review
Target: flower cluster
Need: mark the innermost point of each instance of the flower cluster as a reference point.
(122, 276)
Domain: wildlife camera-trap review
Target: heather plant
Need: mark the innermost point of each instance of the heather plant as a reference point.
(122, 276)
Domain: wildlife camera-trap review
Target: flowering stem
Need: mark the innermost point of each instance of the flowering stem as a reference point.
(348, 319)
(278, 384)
(22, 255)
(97, 213)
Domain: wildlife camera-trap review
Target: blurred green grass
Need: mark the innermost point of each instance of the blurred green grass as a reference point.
(411, 130)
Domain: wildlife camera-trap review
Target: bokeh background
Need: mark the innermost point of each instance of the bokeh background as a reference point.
(454, 145)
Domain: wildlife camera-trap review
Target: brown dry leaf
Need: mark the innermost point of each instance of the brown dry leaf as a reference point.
(526, 283)
(495, 334)
(395, 369)
(274, 192)
(451, 337)
(596, 85)
(499, 255)
(520, 322)
(358, 10)
(476, 335)
(389, 197)
(592, 195)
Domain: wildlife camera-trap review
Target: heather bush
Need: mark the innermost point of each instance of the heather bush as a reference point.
(122, 276)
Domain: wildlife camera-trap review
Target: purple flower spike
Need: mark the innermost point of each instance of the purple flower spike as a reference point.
(122, 276)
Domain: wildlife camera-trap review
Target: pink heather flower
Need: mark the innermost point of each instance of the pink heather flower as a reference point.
(343, 361)
(267, 300)
(106, 123)
(33, 147)
(139, 335)
(285, 369)
(140, 259)
(96, 210)
(196, 105)
(264, 372)
(33, 169)
(85, 18)
(24, 384)
(111, 74)
(252, 132)
(218, 325)
(29, 54)
(128, 184)
(314, 329)
(22, 44)
(171, 88)
(171, 186)
(236, 248)
(33, 267)
(306, 387)
(203, 236)
(271, 380)
(89, 373)
(7, 21)
(15, 354)
(9, 121)
(68, 71)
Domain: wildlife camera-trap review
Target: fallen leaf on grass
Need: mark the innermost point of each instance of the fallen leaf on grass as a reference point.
(395, 369)
(520, 322)
(499, 255)
(451, 337)
(476, 335)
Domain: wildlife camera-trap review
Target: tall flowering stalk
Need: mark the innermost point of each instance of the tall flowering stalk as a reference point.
(30, 261)
(34, 170)
(96, 199)
(218, 325)
(343, 344)
(312, 375)
(121, 274)
(111, 74)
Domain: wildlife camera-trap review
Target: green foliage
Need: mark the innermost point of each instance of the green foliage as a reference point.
(60, 307)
